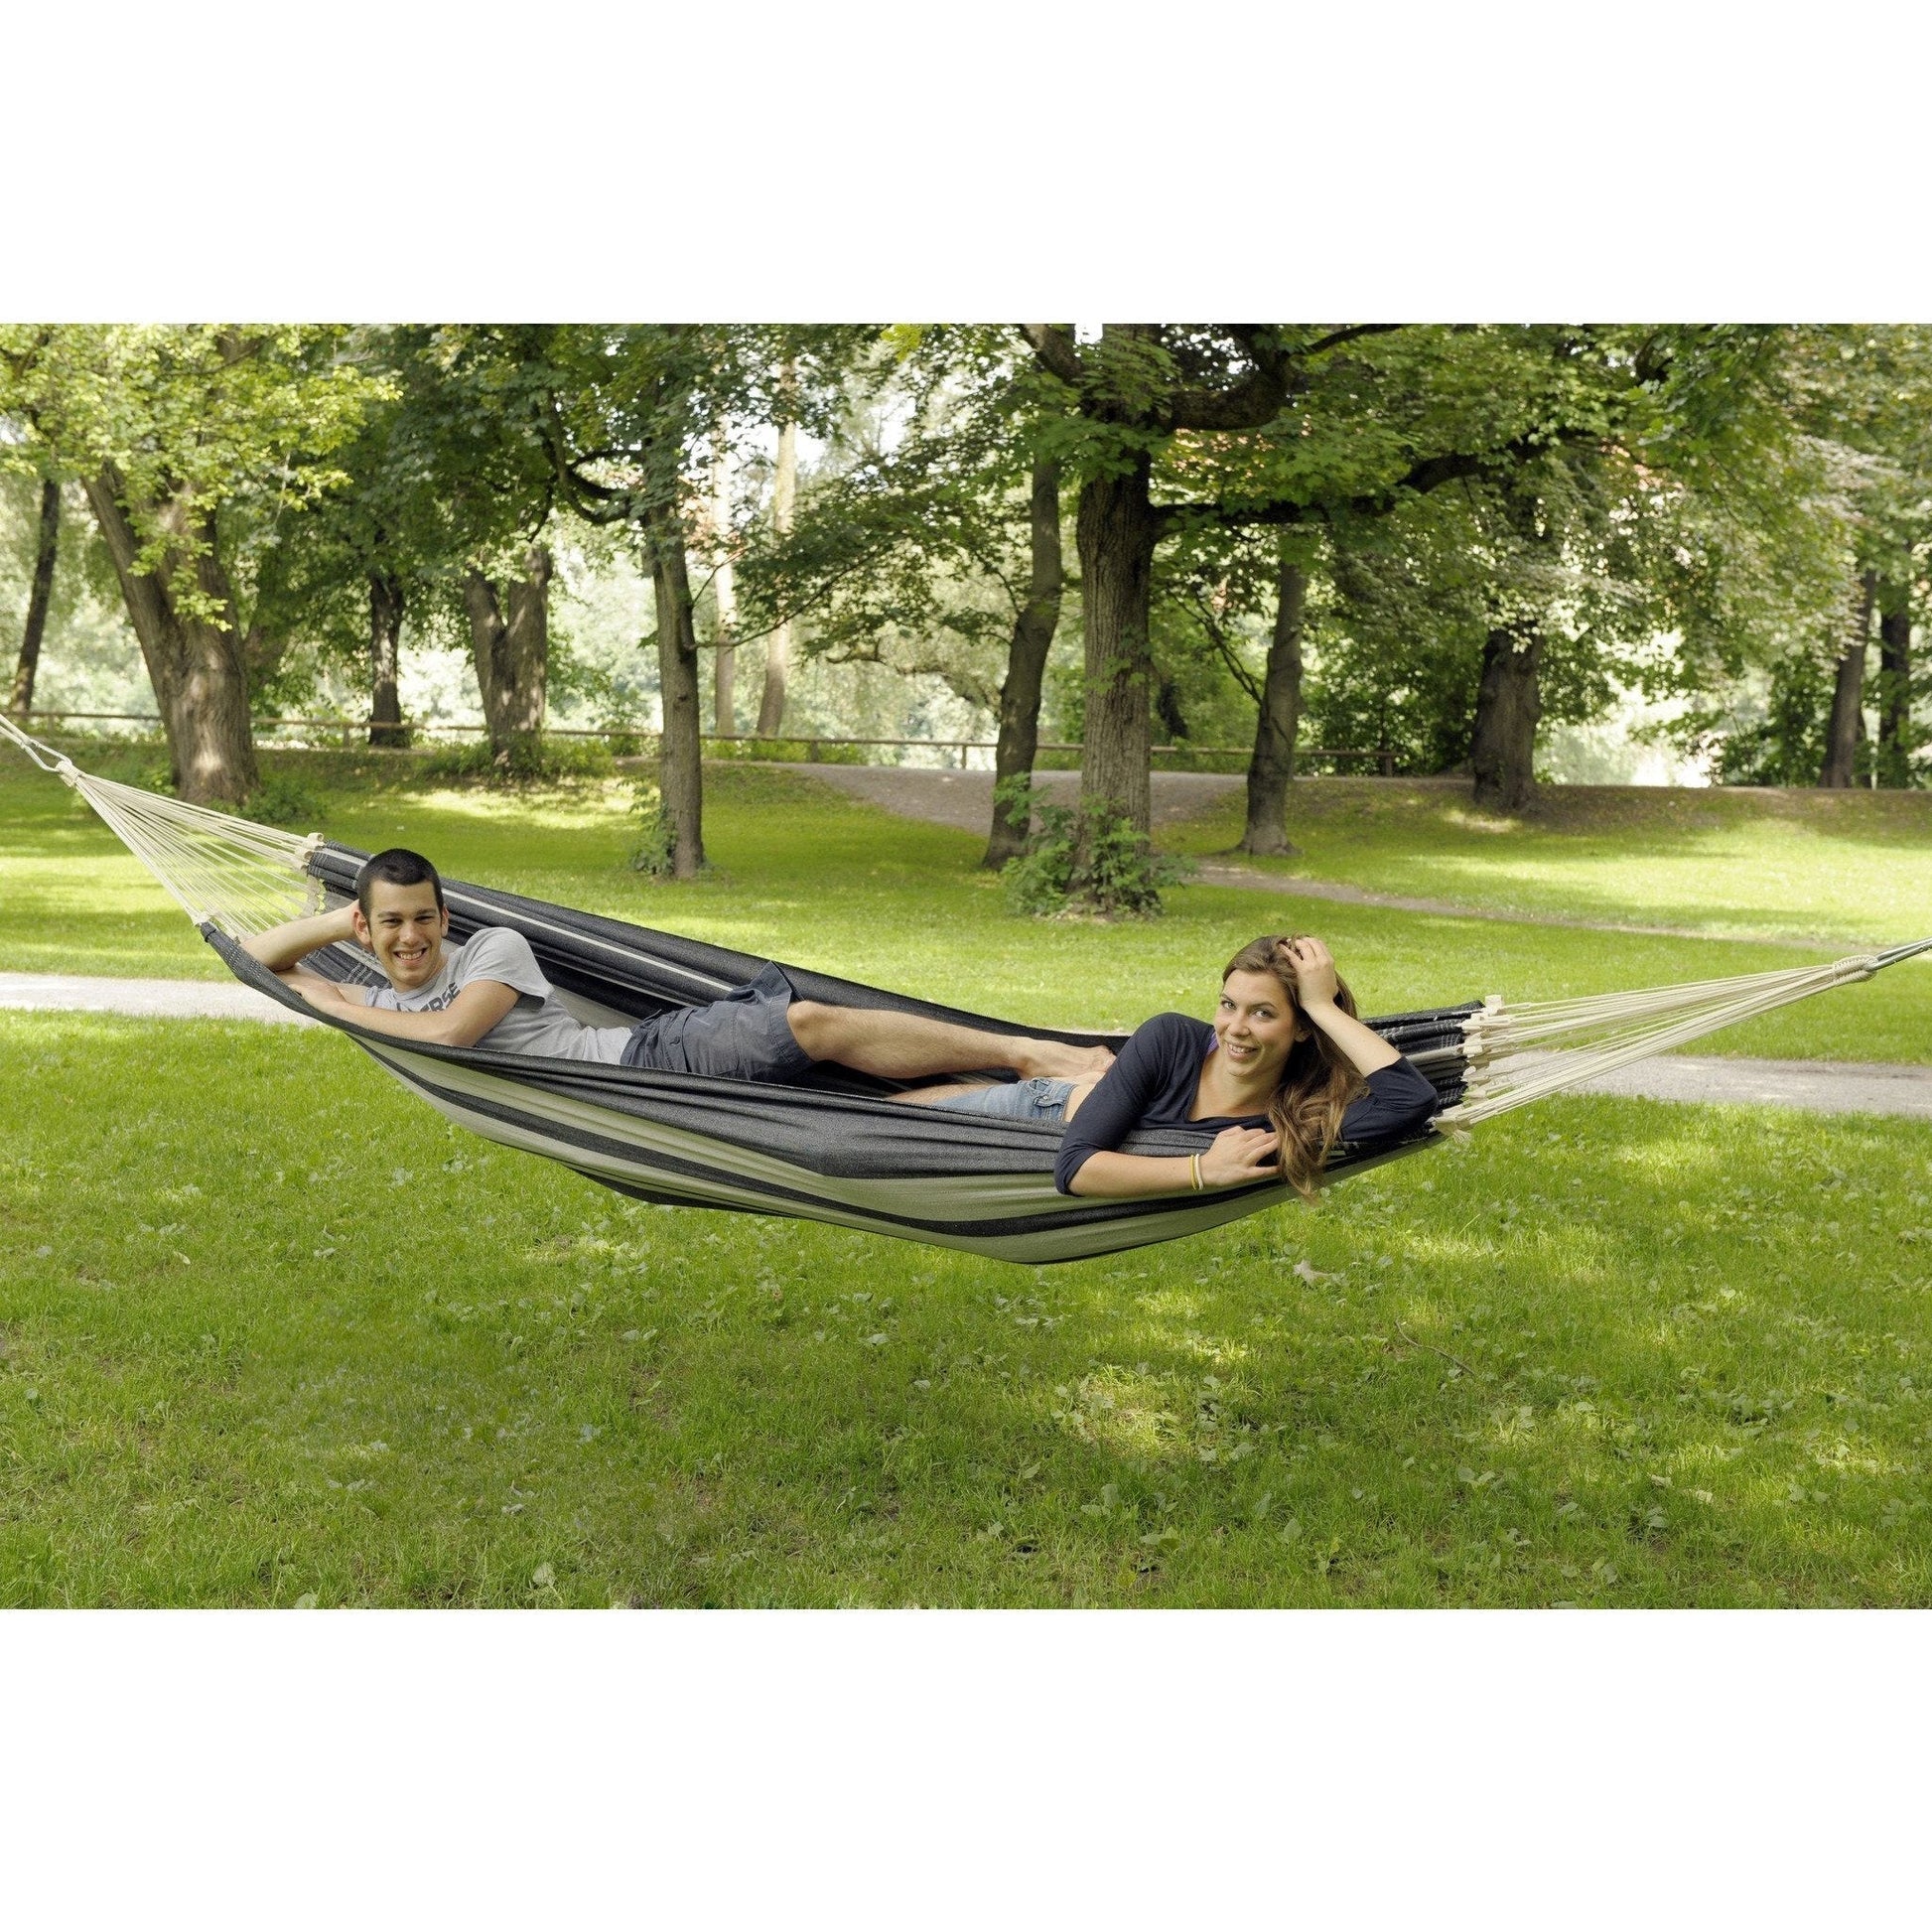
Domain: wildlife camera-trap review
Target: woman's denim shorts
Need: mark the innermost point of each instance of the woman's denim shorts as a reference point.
(1040, 1101)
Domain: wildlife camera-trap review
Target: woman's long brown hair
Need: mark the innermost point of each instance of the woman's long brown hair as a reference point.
(1317, 1084)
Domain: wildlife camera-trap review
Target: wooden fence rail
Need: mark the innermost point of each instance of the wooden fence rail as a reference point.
(352, 729)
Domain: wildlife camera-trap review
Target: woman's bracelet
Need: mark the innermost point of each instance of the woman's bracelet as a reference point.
(1194, 1169)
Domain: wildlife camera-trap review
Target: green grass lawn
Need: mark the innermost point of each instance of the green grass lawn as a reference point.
(1842, 868)
(270, 1329)
(825, 882)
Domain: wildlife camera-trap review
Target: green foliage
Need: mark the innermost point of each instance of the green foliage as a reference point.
(1086, 861)
(783, 750)
(283, 798)
(189, 419)
(527, 761)
(653, 855)
(1787, 747)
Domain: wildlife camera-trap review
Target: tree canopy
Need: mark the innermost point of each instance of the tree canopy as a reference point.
(1427, 545)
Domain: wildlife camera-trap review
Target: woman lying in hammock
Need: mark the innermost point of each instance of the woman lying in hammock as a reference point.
(1285, 1072)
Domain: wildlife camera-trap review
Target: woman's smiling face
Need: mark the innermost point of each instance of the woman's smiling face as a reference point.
(1255, 1026)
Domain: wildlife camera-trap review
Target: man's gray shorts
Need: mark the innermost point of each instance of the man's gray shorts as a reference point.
(745, 1036)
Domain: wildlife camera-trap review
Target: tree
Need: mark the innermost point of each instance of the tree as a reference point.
(446, 494)
(1278, 704)
(1895, 736)
(931, 541)
(1243, 426)
(388, 602)
(1661, 491)
(1846, 727)
(1034, 625)
(724, 590)
(1853, 511)
(45, 554)
(509, 631)
(784, 493)
(622, 411)
(187, 439)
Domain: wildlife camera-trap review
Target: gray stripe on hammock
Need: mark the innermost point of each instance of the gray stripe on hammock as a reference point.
(1075, 1211)
(1079, 1227)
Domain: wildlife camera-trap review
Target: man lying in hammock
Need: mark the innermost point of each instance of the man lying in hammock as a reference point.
(1285, 1072)
(490, 991)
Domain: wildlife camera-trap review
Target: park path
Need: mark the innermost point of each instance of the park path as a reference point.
(1814, 1086)
(144, 999)
(964, 799)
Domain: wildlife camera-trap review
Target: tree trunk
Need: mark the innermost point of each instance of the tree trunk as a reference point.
(196, 663)
(1894, 686)
(1117, 531)
(724, 707)
(512, 639)
(1272, 768)
(1847, 724)
(1032, 638)
(38, 596)
(385, 654)
(680, 750)
(777, 646)
(1502, 754)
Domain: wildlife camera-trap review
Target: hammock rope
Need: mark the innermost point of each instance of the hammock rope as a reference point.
(837, 1148)
(1516, 1054)
(219, 868)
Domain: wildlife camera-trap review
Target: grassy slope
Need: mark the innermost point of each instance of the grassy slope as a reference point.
(824, 882)
(1846, 868)
(268, 1328)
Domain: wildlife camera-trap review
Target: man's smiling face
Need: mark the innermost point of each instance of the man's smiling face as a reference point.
(404, 928)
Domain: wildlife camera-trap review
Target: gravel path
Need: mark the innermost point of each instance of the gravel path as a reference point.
(1815, 1086)
(965, 799)
(146, 999)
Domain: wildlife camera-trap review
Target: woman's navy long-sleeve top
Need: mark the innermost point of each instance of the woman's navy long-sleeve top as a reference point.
(1154, 1081)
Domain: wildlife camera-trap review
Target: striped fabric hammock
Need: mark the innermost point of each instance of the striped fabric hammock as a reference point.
(837, 1148)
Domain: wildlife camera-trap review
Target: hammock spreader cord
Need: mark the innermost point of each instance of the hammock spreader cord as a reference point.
(245, 878)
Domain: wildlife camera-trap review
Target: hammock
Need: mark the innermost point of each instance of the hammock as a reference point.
(837, 1148)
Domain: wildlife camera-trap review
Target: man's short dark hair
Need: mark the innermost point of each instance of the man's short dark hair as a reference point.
(396, 866)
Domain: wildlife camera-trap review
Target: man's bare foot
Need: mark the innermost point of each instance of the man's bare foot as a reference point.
(1050, 1059)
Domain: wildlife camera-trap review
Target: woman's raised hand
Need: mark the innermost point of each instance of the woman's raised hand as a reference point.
(1239, 1154)
(1314, 968)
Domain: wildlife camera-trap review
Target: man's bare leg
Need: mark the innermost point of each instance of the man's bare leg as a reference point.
(905, 1047)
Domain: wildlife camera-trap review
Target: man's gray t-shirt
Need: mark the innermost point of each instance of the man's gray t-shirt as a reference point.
(539, 1023)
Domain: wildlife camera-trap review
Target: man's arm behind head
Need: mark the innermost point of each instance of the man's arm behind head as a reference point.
(282, 946)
